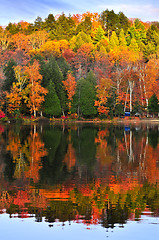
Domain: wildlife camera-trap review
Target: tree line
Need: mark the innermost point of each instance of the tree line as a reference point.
(84, 65)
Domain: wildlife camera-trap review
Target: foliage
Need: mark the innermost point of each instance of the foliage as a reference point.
(84, 99)
(106, 50)
(52, 102)
(153, 105)
(2, 114)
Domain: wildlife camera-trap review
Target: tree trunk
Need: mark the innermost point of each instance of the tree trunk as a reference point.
(131, 86)
(34, 113)
(126, 99)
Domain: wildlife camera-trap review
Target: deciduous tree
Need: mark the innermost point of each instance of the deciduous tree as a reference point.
(35, 91)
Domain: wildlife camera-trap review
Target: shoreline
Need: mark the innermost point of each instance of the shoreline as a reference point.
(92, 121)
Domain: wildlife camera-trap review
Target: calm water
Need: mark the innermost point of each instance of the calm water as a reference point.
(79, 182)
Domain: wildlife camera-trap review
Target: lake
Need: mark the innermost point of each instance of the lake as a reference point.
(79, 181)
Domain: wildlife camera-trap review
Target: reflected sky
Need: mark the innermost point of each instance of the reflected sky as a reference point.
(16, 229)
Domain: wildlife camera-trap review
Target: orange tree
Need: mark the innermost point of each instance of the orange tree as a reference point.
(70, 87)
(34, 91)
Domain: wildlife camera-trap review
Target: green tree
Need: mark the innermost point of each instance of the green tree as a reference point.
(122, 39)
(52, 102)
(123, 22)
(153, 105)
(65, 27)
(149, 50)
(77, 41)
(53, 73)
(83, 100)
(9, 75)
(114, 41)
(38, 24)
(134, 46)
(100, 34)
(49, 23)
(91, 77)
(85, 26)
(64, 66)
(109, 21)
(138, 32)
(113, 22)
(152, 35)
(114, 106)
(13, 28)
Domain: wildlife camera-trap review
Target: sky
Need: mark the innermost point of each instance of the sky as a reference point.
(17, 10)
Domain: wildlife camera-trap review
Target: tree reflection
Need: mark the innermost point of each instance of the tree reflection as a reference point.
(26, 154)
(90, 174)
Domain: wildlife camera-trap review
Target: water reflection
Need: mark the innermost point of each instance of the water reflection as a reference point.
(89, 174)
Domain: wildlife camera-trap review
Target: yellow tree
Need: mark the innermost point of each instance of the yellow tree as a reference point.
(5, 39)
(34, 89)
(21, 76)
(38, 38)
(52, 47)
(103, 89)
(14, 98)
(17, 91)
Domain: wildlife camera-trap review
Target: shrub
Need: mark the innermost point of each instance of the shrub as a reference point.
(2, 114)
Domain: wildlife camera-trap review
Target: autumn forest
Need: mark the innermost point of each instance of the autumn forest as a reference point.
(81, 66)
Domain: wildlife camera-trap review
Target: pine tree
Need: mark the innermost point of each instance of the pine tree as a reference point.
(53, 72)
(100, 34)
(122, 39)
(84, 98)
(153, 105)
(52, 102)
(134, 46)
(114, 41)
(91, 78)
(9, 75)
(64, 66)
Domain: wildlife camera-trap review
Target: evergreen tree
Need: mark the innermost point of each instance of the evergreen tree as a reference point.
(113, 22)
(65, 27)
(123, 22)
(77, 41)
(83, 100)
(100, 34)
(114, 41)
(53, 72)
(38, 24)
(149, 50)
(91, 78)
(85, 26)
(153, 105)
(49, 23)
(109, 21)
(64, 66)
(115, 108)
(134, 46)
(9, 75)
(152, 35)
(52, 102)
(13, 28)
(122, 39)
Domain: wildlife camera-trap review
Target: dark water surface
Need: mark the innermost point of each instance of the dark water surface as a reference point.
(79, 181)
